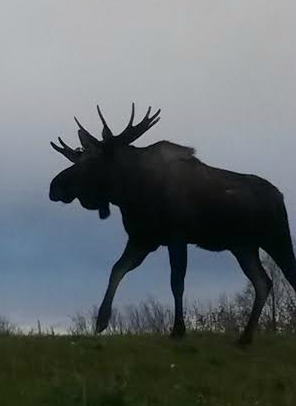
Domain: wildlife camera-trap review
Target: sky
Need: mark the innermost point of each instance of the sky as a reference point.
(224, 75)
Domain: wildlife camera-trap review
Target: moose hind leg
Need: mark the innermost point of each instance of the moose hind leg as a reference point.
(178, 262)
(251, 265)
(132, 257)
(283, 255)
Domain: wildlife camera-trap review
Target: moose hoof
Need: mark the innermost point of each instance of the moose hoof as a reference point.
(102, 323)
(101, 327)
(244, 341)
(178, 333)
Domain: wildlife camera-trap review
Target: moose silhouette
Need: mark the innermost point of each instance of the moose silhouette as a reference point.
(168, 197)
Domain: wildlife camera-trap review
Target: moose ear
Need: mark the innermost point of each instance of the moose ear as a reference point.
(88, 142)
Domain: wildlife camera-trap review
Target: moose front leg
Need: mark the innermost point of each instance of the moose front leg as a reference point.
(132, 257)
(178, 261)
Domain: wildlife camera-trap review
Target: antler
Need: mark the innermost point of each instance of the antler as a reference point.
(130, 133)
(126, 137)
(87, 140)
(72, 154)
(106, 133)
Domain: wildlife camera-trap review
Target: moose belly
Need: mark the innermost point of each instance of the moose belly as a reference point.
(223, 232)
(214, 232)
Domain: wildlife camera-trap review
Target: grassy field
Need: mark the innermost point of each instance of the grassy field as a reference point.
(204, 369)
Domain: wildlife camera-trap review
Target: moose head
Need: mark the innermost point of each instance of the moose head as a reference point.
(89, 178)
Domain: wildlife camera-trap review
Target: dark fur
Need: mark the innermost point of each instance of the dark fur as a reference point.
(169, 197)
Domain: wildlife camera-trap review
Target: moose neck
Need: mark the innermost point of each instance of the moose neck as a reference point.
(136, 181)
(124, 175)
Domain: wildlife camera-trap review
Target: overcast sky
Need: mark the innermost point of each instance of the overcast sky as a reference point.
(224, 75)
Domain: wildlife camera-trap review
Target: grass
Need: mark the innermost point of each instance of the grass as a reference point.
(203, 369)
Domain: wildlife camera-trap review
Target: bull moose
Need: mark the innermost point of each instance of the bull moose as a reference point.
(168, 197)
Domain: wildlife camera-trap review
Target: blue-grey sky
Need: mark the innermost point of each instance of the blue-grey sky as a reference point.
(224, 75)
